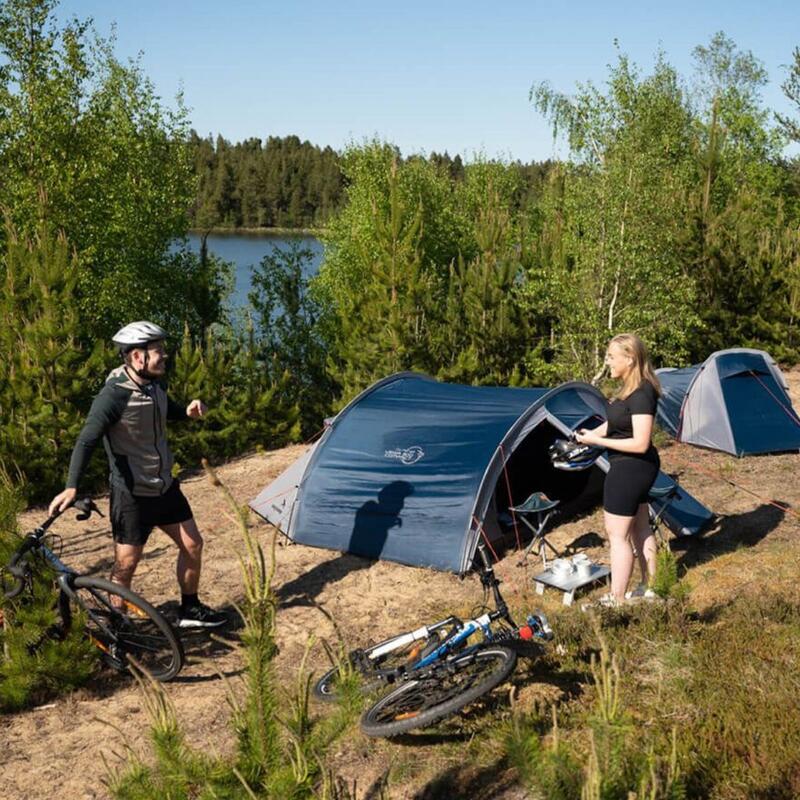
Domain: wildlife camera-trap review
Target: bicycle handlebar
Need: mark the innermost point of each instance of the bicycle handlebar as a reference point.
(18, 565)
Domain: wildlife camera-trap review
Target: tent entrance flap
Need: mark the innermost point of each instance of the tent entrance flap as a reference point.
(529, 470)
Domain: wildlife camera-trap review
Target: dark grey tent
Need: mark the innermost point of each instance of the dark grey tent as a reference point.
(413, 470)
(736, 401)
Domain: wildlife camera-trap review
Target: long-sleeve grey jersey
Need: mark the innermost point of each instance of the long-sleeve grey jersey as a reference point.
(132, 422)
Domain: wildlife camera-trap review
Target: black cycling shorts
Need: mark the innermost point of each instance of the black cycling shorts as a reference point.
(133, 517)
(628, 484)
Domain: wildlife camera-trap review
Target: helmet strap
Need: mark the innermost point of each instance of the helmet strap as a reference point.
(143, 373)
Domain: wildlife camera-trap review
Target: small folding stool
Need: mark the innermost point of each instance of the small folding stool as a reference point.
(535, 512)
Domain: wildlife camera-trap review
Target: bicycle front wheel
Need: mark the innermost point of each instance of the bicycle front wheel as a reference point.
(450, 686)
(127, 629)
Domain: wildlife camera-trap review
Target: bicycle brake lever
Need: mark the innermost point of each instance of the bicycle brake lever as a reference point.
(86, 507)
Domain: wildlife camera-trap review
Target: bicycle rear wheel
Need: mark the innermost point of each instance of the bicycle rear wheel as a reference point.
(127, 629)
(450, 686)
(369, 669)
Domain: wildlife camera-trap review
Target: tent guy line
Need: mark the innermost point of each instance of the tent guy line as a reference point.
(715, 476)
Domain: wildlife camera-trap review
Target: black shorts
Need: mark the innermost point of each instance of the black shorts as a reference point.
(628, 483)
(133, 517)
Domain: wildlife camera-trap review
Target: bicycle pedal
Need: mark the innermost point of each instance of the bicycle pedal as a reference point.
(99, 645)
(132, 609)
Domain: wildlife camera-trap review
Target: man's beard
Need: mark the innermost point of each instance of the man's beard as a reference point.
(149, 375)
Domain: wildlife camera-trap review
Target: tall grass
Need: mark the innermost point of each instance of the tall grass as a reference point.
(668, 703)
(279, 747)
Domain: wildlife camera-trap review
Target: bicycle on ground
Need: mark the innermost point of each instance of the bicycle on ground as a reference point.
(124, 627)
(434, 671)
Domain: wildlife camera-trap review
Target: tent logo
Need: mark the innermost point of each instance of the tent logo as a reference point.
(408, 455)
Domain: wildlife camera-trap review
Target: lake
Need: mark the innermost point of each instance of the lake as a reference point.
(245, 251)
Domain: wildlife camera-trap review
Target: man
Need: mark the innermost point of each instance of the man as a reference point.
(130, 415)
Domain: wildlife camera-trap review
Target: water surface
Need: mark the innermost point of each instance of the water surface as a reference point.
(245, 251)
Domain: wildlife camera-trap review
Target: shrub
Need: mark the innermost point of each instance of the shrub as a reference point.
(35, 664)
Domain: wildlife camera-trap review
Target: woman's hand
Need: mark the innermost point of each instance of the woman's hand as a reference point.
(585, 436)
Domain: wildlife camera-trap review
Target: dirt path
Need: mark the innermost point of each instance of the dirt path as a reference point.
(69, 743)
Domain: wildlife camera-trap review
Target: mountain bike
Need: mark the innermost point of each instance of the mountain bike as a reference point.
(433, 671)
(124, 627)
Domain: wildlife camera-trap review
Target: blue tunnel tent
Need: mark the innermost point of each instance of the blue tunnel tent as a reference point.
(736, 401)
(413, 469)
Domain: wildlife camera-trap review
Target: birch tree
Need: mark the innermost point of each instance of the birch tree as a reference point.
(617, 266)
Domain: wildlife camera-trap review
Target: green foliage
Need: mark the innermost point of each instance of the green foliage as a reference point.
(285, 183)
(791, 88)
(680, 704)
(542, 762)
(381, 320)
(288, 332)
(248, 407)
(670, 196)
(36, 664)
(279, 747)
(596, 753)
(95, 183)
(484, 332)
(87, 148)
(423, 272)
(281, 182)
(610, 255)
(422, 197)
(665, 581)
(741, 242)
(47, 377)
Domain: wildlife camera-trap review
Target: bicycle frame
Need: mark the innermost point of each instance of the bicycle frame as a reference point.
(463, 629)
(471, 626)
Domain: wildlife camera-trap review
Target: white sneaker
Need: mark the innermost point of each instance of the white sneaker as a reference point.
(641, 592)
(605, 601)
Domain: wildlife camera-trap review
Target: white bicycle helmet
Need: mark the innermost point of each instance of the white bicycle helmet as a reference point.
(138, 334)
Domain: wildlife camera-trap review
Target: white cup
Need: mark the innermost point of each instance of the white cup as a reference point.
(561, 567)
(584, 569)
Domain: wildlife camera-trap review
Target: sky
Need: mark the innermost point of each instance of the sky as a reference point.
(426, 76)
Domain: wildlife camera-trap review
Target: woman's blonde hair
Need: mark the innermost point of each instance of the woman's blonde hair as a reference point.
(641, 370)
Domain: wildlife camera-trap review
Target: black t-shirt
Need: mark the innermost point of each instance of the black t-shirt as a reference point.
(642, 400)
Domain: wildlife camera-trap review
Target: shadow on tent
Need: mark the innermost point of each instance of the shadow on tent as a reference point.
(373, 521)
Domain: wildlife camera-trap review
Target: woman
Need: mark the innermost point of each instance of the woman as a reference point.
(627, 435)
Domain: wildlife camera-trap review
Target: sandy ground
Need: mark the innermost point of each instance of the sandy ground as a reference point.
(75, 741)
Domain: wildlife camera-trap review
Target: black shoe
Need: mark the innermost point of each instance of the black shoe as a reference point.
(200, 616)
